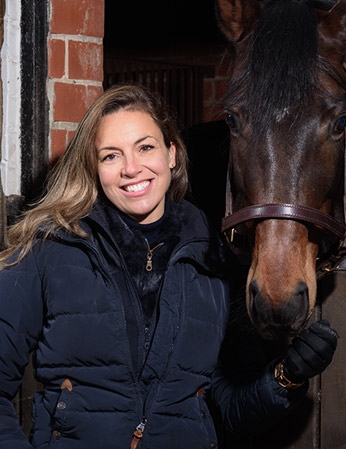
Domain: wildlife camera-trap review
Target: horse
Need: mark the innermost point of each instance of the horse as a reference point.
(285, 107)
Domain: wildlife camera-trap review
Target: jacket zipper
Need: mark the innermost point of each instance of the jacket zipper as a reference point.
(138, 433)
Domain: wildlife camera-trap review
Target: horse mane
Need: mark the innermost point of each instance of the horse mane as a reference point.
(279, 64)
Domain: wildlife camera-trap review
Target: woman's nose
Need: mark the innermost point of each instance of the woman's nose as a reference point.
(131, 166)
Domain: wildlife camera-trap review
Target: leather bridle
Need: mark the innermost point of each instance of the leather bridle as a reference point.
(326, 263)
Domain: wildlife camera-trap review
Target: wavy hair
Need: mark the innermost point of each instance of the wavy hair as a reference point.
(73, 185)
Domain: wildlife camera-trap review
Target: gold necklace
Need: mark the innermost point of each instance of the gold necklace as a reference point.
(149, 265)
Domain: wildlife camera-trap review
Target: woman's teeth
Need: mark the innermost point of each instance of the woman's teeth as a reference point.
(137, 187)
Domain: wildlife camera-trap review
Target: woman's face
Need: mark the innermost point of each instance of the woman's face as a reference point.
(134, 165)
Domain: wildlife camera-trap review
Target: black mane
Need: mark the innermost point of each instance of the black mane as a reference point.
(279, 64)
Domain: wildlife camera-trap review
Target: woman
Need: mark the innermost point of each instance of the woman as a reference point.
(120, 289)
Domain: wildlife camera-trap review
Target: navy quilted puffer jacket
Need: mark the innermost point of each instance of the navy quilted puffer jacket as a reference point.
(65, 303)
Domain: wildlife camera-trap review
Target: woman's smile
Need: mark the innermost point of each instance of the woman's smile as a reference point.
(137, 187)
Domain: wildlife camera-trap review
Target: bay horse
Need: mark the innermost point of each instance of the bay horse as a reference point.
(285, 107)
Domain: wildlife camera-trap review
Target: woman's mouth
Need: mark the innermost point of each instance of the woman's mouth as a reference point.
(137, 187)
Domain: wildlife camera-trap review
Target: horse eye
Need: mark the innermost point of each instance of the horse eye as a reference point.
(233, 123)
(340, 125)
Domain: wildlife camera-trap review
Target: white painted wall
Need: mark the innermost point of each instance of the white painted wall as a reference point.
(10, 166)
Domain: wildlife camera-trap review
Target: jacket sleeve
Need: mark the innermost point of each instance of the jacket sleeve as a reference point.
(245, 391)
(20, 327)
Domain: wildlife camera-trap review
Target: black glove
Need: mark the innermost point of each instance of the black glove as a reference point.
(310, 352)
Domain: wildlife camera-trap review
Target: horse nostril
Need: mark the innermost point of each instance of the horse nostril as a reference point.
(297, 309)
(261, 313)
(256, 309)
(285, 317)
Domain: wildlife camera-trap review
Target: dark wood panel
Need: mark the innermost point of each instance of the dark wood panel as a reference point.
(180, 85)
(333, 392)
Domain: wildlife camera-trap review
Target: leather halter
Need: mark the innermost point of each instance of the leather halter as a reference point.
(328, 262)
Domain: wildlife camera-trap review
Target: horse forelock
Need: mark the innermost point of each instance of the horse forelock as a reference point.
(276, 72)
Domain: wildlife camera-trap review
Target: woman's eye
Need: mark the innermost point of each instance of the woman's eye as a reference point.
(109, 157)
(146, 147)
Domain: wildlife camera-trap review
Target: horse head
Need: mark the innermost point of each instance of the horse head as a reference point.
(286, 110)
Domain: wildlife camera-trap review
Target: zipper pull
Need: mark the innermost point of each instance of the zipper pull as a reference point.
(138, 434)
(149, 265)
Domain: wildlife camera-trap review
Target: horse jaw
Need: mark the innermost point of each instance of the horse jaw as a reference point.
(281, 284)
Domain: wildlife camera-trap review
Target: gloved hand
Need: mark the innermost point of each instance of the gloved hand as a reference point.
(310, 352)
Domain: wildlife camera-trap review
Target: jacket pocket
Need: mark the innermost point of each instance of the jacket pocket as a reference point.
(206, 418)
(51, 425)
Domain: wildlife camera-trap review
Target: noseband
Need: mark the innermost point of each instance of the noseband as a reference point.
(326, 263)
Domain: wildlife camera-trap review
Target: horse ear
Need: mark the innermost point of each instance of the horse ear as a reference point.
(236, 18)
(332, 33)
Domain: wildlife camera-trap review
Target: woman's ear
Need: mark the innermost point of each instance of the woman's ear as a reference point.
(172, 153)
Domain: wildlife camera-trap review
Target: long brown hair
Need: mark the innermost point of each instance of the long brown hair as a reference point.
(73, 186)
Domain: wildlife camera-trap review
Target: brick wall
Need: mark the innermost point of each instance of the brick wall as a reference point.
(213, 92)
(75, 65)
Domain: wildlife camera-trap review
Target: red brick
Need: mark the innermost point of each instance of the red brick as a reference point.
(56, 52)
(220, 88)
(85, 61)
(223, 66)
(58, 144)
(212, 112)
(78, 17)
(72, 101)
(70, 135)
(208, 89)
